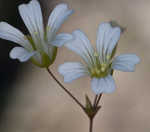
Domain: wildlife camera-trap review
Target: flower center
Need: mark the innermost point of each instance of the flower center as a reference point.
(100, 69)
(45, 60)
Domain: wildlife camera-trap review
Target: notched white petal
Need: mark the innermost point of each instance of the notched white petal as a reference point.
(61, 39)
(103, 85)
(125, 62)
(81, 45)
(61, 8)
(72, 71)
(107, 38)
(21, 54)
(113, 38)
(32, 16)
(60, 13)
(10, 33)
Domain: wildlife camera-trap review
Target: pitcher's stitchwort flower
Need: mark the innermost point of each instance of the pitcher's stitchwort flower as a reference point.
(100, 63)
(38, 45)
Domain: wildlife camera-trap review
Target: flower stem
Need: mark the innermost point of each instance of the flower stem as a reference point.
(91, 125)
(99, 97)
(95, 101)
(94, 107)
(67, 91)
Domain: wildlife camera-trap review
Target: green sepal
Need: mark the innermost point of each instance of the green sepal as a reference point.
(88, 107)
(88, 104)
(45, 61)
(31, 41)
(90, 110)
(114, 51)
(54, 55)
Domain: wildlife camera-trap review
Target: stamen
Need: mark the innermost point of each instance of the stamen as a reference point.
(25, 37)
(92, 71)
(48, 28)
(108, 57)
(36, 33)
(103, 67)
(96, 54)
(97, 71)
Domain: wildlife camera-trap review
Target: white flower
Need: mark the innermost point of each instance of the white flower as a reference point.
(38, 46)
(100, 63)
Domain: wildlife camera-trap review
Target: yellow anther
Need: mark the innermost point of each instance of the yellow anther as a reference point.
(103, 67)
(96, 54)
(25, 37)
(48, 28)
(108, 57)
(36, 33)
(92, 71)
(97, 71)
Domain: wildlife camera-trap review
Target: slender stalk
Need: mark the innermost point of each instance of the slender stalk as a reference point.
(67, 91)
(95, 103)
(91, 125)
(95, 100)
(99, 97)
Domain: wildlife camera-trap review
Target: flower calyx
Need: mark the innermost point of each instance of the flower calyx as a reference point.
(91, 110)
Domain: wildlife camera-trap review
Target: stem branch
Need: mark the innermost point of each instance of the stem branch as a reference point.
(99, 97)
(95, 100)
(95, 103)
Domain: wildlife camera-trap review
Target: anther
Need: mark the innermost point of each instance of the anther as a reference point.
(108, 57)
(36, 33)
(103, 67)
(48, 28)
(25, 37)
(96, 54)
(97, 71)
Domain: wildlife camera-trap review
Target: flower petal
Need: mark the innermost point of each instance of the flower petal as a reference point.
(81, 45)
(125, 62)
(12, 34)
(57, 18)
(107, 38)
(103, 85)
(32, 17)
(72, 71)
(61, 39)
(21, 54)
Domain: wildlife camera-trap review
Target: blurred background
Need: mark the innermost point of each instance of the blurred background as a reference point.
(30, 101)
